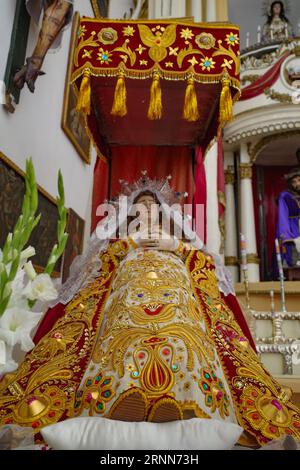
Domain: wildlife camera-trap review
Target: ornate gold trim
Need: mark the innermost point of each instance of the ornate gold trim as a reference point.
(249, 78)
(276, 96)
(229, 175)
(208, 26)
(246, 170)
(252, 258)
(83, 155)
(256, 149)
(231, 261)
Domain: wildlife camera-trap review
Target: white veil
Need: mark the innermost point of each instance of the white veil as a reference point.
(85, 268)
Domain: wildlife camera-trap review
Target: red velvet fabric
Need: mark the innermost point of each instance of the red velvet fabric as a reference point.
(100, 188)
(128, 162)
(221, 178)
(200, 194)
(234, 306)
(48, 321)
(265, 81)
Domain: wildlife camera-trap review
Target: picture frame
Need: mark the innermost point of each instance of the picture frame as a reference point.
(100, 8)
(74, 247)
(44, 236)
(73, 122)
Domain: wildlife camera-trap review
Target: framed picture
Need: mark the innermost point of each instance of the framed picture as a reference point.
(44, 236)
(73, 123)
(100, 8)
(75, 229)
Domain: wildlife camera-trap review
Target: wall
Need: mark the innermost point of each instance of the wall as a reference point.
(35, 130)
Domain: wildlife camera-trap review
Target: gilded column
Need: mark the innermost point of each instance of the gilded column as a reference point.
(247, 213)
(231, 243)
(222, 10)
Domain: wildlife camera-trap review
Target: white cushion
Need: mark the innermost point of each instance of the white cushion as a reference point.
(92, 433)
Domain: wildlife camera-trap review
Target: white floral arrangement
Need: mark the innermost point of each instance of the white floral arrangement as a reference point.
(20, 285)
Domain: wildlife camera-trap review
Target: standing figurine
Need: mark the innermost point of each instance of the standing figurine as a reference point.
(278, 27)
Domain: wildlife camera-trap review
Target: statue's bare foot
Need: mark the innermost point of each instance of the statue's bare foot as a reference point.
(29, 73)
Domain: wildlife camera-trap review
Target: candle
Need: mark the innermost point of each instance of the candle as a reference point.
(258, 33)
(247, 39)
(286, 30)
(281, 275)
(272, 301)
(271, 31)
(244, 264)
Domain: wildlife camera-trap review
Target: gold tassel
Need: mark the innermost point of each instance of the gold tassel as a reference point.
(84, 98)
(190, 110)
(155, 105)
(119, 104)
(226, 112)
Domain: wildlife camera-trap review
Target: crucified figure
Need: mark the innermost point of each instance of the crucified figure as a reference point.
(57, 14)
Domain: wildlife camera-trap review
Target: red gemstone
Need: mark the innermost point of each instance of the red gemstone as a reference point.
(254, 393)
(51, 414)
(57, 403)
(35, 424)
(141, 355)
(52, 394)
(249, 402)
(273, 430)
(166, 352)
(255, 416)
(8, 421)
(219, 395)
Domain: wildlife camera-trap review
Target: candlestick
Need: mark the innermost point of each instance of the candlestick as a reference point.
(244, 267)
(272, 301)
(258, 33)
(281, 275)
(247, 39)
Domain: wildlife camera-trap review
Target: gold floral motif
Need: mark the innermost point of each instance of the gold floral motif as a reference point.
(159, 41)
(205, 40)
(125, 49)
(128, 31)
(214, 391)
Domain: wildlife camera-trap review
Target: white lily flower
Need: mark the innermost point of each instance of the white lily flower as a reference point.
(16, 325)
(30, 271)
(41, 288)
(7, 364)
(27, 253)
(17, 286)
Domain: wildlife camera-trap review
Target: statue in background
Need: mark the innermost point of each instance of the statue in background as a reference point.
(57, 14)
(288, 229)
(277, 27)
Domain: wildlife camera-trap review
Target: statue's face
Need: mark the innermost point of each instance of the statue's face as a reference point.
(151, 206)
(295, 183)
(276, 10)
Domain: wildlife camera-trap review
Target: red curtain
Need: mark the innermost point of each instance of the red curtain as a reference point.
(200, 193)
(265, 81)
(100, 189)
(274, 183)
(221, 181)
(128, 162)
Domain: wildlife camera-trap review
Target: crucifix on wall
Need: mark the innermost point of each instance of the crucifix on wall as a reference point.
(56, 15)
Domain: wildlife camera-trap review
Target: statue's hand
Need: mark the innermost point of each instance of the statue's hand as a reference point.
(29, 73)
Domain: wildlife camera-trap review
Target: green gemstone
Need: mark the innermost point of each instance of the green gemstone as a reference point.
(209, 399)
(100, 406)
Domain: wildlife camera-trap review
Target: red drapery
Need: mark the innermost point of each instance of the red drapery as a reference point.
(128, 162)
(200, 194)
(274, 183)
(265, 81)
(221, 188)
(100, 189)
